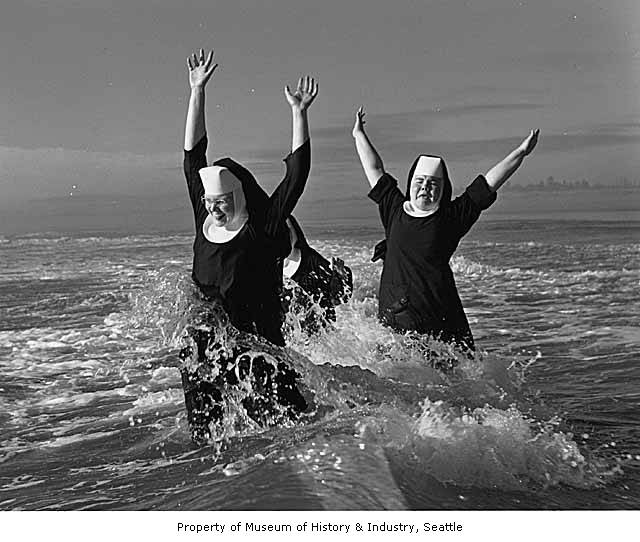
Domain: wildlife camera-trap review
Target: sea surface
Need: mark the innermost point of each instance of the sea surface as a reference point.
(546, 416)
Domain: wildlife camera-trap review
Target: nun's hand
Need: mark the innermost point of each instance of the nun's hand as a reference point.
(530, 142)
(304, 95)
(358, 127)
(201, 68)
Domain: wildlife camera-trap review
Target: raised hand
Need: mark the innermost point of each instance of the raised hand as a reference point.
(500, 173)
(304, 95)
(530, 142)
(358, 126)
(201, 68)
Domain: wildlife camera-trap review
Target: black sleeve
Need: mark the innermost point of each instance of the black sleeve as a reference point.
(388, 197)
(466, 208)
(288, 192)
(194, 161)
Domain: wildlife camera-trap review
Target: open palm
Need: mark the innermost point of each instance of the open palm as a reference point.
(530, 142)
(304, 95)
(358, 125)
(201, 68)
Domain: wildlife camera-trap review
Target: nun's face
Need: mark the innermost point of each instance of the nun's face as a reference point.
(425, 192)
(221, 208)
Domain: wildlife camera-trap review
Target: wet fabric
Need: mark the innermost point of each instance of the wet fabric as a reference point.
(275, 391)
(321, 281)
(245, 273)
(417, 287)
(244, 276)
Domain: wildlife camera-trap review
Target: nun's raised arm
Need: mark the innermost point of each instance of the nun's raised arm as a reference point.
(201, 67)
(499, 173)
(299, 101)
(369, 157)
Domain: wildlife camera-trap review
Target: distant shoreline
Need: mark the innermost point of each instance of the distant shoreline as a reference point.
(559, 187)
(157, 212)
(117, 198)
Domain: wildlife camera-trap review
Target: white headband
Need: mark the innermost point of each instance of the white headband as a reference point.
(429, 166)
(218, 180)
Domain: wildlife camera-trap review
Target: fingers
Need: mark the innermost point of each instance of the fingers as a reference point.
(209, 60)
(530, 141)
(200, 58)
(304, 94)
(536, 133)
(211, 70)
(307, 85)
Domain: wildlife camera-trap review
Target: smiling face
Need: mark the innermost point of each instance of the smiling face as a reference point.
(220, 207)
(425, 192)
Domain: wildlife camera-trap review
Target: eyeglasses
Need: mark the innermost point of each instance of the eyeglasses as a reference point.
(219, 201)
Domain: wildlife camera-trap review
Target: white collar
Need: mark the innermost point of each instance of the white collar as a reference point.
(224, 234)
(417, 213)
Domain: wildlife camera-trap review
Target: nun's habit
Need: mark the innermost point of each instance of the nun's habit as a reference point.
(244, 272)
(322, 280)
(240, 267)
(417, 288)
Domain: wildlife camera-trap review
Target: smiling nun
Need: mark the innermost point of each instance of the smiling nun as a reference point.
(240, 243)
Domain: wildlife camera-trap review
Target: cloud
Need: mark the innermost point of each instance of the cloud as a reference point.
(574, 60)
(628, 128)
(408, 122)
(52, 171)
(59, 155)
(394, 138)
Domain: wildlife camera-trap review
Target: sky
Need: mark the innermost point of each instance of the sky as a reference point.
(93, 93)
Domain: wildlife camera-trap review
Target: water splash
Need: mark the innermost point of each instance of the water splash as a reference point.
(485, 447)
(106, 386)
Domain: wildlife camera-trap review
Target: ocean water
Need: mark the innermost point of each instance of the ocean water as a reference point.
(545, 417)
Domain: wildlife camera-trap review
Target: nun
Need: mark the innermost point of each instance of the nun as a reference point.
(324, 283)
(423, 227)
(238, 251)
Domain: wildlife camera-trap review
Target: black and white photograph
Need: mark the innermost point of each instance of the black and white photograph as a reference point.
(337, 255)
